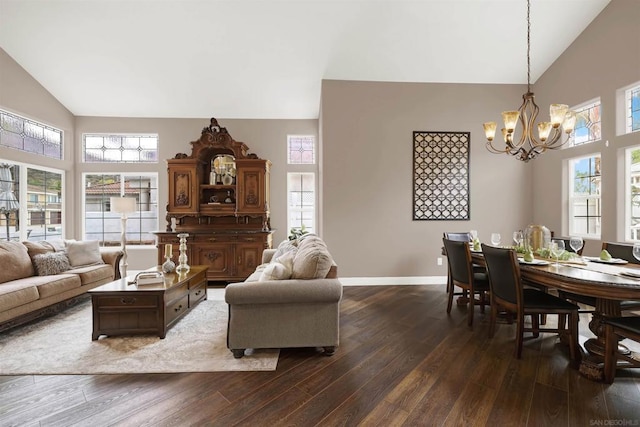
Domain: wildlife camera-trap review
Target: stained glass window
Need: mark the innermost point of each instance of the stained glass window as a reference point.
(120, 148)
(301, 150)
(588, 124)
(29, 136)
(633, 109)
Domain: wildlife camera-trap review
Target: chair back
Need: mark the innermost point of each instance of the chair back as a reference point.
(457, 236)
(459, 259)
(620, 250)
(504, 273)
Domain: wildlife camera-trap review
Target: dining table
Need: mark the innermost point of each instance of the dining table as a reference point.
(608, 282)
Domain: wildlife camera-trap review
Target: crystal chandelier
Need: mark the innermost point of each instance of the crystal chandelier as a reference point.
(527, 147)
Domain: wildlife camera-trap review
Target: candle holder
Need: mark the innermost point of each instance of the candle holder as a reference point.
(168, 266)
(183, 267)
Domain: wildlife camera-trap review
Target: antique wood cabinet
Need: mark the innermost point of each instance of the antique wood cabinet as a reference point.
(219, 195)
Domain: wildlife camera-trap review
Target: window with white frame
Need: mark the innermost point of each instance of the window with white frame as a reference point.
(632, 109)
(588, 123)
(110, 148)
(584, 196)
(301, 182)
(632, 194)
(36, 208)
(29, 136)
(103, 225)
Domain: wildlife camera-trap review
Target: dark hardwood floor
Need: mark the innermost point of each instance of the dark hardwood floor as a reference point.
(401, 362)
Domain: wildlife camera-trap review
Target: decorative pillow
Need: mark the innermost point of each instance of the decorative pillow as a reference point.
(284, 247)
(37, 248)
(51, 263)
(83, 253)
(312, 260)
(279, 269)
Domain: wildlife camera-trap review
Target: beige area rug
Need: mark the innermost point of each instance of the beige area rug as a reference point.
(62, 345)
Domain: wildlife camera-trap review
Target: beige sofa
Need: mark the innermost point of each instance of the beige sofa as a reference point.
(39, 279)
(291, 300)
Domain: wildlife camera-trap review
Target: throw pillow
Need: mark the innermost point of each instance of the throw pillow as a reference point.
(37, 248)
(284, 247)
(279, 269)
(312, 261)
(83, 253)
(51, 263)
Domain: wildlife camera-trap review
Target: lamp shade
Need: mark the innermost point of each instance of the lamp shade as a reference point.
(123, 204)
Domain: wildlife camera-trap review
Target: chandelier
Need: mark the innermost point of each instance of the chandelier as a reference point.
(527, 147)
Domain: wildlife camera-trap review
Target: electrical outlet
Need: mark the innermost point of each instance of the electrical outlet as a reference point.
(439, 260)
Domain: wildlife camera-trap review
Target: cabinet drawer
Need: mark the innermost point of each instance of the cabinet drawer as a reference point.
(176, 309)
(135, 301)
(214, 238)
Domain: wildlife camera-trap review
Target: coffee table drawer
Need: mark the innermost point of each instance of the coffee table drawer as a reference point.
(197, 294)
(177, 309)
(126, 301)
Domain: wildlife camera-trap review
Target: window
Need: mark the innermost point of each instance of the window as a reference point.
(301, 150)
(120, 148)
(301, 205)
(584, 196)
(632, 194)
(588, 126)
(301, 182)
(34, 216)
(632, 108)
(29, 136)
(103, 225)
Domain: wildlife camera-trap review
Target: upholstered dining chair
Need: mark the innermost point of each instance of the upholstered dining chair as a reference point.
(462, 275)
(508, 293)
(625, 327)
(620, 250)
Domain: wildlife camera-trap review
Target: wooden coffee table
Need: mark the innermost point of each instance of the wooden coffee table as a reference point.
(120, 308)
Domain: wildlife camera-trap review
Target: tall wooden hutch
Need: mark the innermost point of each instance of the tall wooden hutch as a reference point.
(220, 196)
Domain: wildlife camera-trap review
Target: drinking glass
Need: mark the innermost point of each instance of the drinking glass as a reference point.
(474, 235)
(556, 248)
(576, 243)
(636, 251)
(495, 239)
(517, 238)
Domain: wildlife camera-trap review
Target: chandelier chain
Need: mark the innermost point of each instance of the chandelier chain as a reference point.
(528, 46)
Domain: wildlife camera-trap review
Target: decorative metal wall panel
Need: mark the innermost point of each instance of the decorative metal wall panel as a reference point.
(441, 175)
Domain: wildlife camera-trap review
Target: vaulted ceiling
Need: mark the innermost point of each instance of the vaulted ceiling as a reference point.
(267, 59)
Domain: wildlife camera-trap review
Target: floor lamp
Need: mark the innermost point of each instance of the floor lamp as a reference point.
(8, 201)
(123, 205)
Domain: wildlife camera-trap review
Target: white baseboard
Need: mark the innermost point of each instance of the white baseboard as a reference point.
(376, 281)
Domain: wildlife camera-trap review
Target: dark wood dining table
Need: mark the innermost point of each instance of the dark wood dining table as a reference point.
(604, 282)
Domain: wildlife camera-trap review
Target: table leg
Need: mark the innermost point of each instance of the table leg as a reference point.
(592, 366)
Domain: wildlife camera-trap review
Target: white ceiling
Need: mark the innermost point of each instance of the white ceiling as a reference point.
(267, 59)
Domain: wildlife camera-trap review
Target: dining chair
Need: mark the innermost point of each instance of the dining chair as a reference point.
(508, 293)
(620, 250)
(463, 275)
(615, 327)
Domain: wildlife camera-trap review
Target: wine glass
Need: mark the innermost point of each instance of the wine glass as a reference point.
(636, 251)
(495, 239)
(556, 248)
(474, 235)
(517, 238)
(576, 243)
